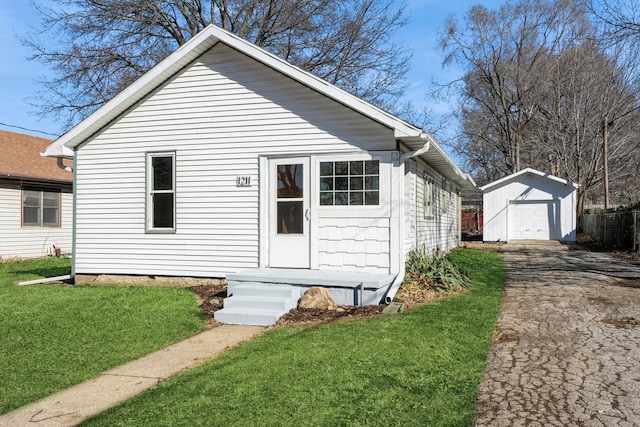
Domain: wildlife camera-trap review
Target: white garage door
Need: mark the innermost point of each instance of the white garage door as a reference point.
(532, 221)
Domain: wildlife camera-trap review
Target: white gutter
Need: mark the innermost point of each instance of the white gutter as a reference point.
(393, 289)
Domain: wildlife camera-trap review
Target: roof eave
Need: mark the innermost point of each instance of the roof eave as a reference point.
(438, 158)
(189, 52)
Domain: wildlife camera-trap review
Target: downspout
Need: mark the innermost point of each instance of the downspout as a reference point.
(393, 289)
(62, 166)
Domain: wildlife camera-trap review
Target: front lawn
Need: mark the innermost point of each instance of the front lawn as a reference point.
(55, 336)
(420, 368)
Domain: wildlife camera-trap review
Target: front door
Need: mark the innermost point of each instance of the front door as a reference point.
(289, 213)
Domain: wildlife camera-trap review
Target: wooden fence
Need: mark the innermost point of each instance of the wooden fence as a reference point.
(619, 230)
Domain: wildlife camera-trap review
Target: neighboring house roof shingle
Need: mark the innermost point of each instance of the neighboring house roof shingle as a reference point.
(20, 159)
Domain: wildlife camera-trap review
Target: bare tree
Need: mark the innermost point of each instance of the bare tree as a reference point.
(542, 90)
(586, 90)
(96, 48)
(503, 54)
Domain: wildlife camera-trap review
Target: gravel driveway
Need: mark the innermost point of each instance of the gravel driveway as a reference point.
(567, 345)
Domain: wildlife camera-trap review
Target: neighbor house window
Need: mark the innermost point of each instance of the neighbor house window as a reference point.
(161, 191)
(428, 196)
(41, 208)
(355, 182)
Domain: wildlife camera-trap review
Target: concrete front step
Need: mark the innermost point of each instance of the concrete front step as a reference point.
(256, 289)
(257, 303)
(244, 316)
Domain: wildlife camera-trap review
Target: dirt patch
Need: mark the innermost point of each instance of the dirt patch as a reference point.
(210, 300)
(490, 246)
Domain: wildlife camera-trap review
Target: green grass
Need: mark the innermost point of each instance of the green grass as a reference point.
(421, 368)
(55, 336)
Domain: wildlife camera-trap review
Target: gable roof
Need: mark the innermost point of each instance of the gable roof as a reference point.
(21, 159)
(412, 136)
(501, 181)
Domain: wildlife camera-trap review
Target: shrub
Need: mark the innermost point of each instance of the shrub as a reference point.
(434, 272)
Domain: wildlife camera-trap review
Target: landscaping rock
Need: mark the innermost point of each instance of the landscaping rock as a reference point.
(317, 297)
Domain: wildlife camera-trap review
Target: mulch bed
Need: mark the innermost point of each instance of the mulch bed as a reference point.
(210, 299)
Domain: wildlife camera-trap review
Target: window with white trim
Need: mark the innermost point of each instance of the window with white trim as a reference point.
(428, 196)
(350, 183)
(445, 195)
(40, 208)
(161, 200)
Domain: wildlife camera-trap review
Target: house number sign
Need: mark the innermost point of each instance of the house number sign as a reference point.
(243, 181)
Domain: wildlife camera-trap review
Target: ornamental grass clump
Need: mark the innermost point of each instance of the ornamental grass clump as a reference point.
(436, 273)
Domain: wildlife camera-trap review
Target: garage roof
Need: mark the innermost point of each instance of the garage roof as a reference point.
(531, 171)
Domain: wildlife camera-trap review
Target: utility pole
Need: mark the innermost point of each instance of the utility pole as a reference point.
(606, 160)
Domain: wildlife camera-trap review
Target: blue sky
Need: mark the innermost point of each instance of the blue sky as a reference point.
(18, 76)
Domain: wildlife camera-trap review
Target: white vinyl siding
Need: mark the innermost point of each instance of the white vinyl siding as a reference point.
(437, 229)
(360, 244)
(32, 241)
(219, 116)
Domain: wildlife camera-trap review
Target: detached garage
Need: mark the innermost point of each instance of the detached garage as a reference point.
(529, 205)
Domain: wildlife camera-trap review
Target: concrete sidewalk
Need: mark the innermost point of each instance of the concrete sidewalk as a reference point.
(69, 407)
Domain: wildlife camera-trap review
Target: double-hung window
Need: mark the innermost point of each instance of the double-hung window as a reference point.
(161, 194)
(428, 196)
(40, 208)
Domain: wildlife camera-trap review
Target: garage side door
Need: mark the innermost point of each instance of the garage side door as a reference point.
(532, 221)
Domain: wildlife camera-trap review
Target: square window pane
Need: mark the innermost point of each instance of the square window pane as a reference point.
(371, 198)
(290, 219)
(356, 198)
(163, 210)
(31, 198)
(50, 200)
(342, 183)
(355, 183)
(50, 217)
(371, 167)
(162, 173)
(290, 181)
(342, 199)
(326, 184)
(342, 168)
(326, 168)
(371, 183)
(356, 167)
(326, 199)
(31, 216)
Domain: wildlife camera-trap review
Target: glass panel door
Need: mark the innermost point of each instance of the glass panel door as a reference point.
(289, 243)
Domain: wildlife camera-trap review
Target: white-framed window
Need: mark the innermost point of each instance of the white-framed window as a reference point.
(445, 195)
(40, 208)
(161, 194)
(428, 196)
(350, 183)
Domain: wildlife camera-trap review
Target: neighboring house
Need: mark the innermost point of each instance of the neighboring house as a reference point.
(529, 205)
(225, 158)
(36, 199)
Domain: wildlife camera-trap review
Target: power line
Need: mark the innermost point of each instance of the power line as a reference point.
(29, 130)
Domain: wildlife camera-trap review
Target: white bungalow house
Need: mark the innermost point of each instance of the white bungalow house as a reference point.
(226, 161)
(35, 199)
(530, 205)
